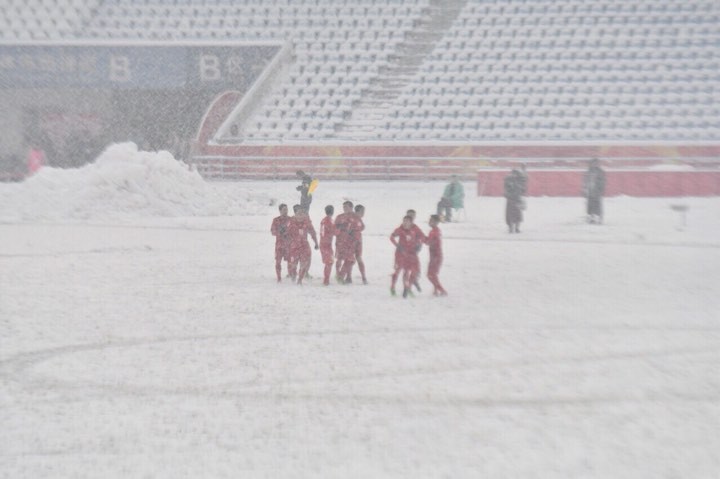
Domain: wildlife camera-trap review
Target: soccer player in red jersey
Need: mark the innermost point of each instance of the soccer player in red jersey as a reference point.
(406, 240)
(360, 227)
(300, 251)
(344, 252)
(279, 230)
(397, 265)
(327, 231)
(412, 214)
(434, 241)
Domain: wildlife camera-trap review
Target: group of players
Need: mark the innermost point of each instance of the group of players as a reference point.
(292, 245)
(408, 239)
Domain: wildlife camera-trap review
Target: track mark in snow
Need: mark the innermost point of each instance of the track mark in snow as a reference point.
(251, 385)
(79, 252)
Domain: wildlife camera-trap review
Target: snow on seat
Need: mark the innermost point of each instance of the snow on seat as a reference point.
(492, 60)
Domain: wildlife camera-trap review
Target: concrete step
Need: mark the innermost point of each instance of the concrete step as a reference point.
(388, 87)
(368, 117)
(402, 65)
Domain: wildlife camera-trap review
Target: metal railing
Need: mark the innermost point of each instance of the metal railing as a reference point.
(410, 168)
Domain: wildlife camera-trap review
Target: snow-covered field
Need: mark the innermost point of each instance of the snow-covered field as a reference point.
(142, 334)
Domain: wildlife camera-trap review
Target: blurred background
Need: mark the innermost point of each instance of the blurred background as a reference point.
(376, 89)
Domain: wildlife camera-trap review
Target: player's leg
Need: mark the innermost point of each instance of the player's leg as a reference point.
(326, 273)
(407, 281)
(395, 275)
(327, 259)
(278, 264)
(434, 277)
(301, 270)
(413, 278)
(305, 259)
(304, 267)
(415, 273)
(293, 264)
(360, 262)
(361, 267)
(339, 261)
(345, 272)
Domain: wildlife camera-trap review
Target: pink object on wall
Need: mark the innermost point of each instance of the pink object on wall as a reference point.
(35, 160)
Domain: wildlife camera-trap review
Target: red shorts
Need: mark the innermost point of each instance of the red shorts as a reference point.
(281, 252)
(345, 252)
(409, 262)
(301, 252)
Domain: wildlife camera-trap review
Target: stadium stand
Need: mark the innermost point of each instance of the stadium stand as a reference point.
(426, 70)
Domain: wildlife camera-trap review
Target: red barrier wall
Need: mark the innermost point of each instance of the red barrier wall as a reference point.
(461, 151)
(618, 182)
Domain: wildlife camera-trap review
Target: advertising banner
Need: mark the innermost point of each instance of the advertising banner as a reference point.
(205, 67)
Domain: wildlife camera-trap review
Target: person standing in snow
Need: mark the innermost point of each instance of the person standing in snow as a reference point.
(593, 190)
(524, 178)
(357, 229)
(300, 252)
(279, 229)
(303, 188)
(344, 252)
(416, 281)
(406, 238)
(514, 196)
(327, 232)
(524, 182)
(434, 241)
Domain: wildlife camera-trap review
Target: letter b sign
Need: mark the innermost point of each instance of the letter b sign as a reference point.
(119, 69)
(210, 68)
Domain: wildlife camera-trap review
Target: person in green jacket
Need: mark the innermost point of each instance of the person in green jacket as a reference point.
(453, 198)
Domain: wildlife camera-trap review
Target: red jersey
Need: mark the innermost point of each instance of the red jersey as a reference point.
(419, 232)
(343, 228)
(434, 241)
(359, 227)
(408, 240)
(358, 237)
(299, 228)
(327, 231)
(279, 230)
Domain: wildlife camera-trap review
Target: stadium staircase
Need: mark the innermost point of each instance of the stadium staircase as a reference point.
(401, 67)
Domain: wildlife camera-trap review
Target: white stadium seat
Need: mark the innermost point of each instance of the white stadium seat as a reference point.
(500, 69)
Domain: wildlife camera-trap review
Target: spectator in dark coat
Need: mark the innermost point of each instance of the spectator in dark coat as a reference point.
(305, 196)
(524, 177)
(514, 190)
(593, 190)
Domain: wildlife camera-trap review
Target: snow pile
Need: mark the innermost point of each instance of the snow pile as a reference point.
(122, 183)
